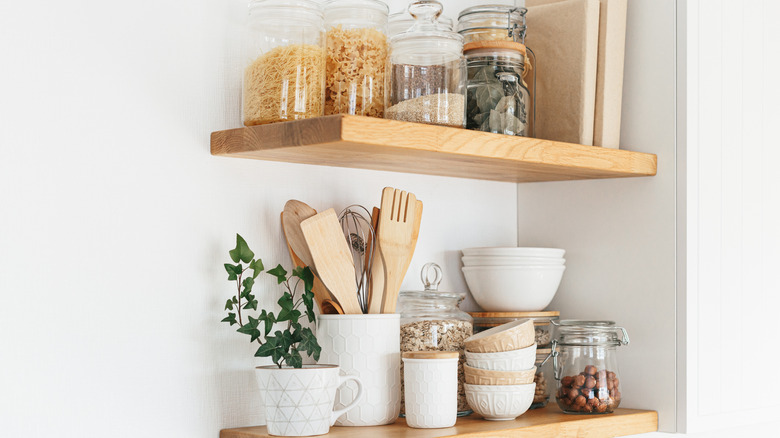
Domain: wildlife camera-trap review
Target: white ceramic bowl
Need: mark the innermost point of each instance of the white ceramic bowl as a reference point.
(513, 288)
(514, 252)
(500, 402)
(510, 261)
(514, 360)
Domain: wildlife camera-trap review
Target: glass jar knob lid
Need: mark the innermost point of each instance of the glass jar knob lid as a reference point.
(431, 276)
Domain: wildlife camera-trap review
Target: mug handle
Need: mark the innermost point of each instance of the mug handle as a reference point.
(343, 379)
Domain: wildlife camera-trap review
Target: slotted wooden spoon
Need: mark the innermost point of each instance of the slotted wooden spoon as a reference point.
(397, 215)
(332, 258)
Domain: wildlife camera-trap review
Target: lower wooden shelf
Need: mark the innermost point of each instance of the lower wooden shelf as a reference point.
(547, 422)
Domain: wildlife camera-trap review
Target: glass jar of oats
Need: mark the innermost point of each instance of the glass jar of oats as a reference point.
(356, 34)
(432, 321)
(284, 74)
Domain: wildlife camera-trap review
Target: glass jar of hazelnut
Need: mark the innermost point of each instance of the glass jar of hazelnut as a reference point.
(585, 366)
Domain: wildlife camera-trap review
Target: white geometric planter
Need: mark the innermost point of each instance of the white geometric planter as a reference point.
(299, 401)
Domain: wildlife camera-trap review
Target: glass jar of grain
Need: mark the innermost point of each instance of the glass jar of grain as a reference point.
(284, 77)
(498, 98)
(356, 35)
(427, 71)
(432, 321)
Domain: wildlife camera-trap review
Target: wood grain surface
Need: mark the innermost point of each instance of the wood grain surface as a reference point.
(539, 423)
(379, 144)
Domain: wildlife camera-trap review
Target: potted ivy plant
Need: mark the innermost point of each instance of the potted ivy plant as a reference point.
(298, 398)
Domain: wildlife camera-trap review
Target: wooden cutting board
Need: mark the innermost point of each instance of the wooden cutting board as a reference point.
(564, 37)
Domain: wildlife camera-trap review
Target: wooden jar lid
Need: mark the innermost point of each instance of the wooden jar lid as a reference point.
(494, 45)
(545, 314)
(430, 355)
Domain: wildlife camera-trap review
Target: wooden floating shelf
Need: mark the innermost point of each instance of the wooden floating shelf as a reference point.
(547, 422)
(379, 144)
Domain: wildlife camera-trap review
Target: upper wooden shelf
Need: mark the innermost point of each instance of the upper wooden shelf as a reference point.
(547, 422)
(379, 144)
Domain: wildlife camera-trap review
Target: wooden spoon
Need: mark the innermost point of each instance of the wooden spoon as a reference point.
(332, 258)
(294, 213)
(377, 285)
(321, 294)
(396, 232)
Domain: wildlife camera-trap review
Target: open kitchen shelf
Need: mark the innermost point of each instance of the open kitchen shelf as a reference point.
(379, 144)
(547, 422)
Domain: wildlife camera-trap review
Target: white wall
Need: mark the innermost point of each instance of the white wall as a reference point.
(115, 219)
(619, 234)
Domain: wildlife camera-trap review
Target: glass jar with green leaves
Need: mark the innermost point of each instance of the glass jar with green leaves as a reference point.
(498, 98)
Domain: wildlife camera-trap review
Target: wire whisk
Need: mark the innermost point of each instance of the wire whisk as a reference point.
(360, 236)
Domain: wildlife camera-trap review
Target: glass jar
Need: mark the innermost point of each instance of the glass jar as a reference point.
(356, 35)
(543, 378)
(498, 99)
(400, 22)
(542, 323)
(432, 321)
(492, 23)
(427, 72)
(284, 77)
(585, 366)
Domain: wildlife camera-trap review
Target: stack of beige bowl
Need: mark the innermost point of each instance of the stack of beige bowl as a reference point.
(500, 370)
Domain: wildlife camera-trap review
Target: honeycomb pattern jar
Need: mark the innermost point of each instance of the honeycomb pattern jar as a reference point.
(431, 390)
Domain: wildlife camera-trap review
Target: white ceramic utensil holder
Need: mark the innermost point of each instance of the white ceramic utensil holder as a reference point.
(299, 402)
(368, 346)
(431, 391)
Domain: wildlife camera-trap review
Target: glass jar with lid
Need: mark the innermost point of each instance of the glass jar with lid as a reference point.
(284, 74)
(585, 365)
(427, 72)
(400, 22)
(356, 34)
(493, 23)
(432, 321)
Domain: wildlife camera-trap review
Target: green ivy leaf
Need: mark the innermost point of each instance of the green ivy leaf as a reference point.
(294, 359)
(279, 273)
(306, 275)
(308, 302)
(251, 303)
(268, 348)
(250, 328)
(241, 252)
(233, 271)
(309, 344)
(269, 320)
(231, 318)
(257, 267)
(229, 305)
(288, 315)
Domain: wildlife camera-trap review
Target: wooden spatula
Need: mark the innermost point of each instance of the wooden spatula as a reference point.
(377, 285)
(332, 258)
(396, 234)
(321, 294)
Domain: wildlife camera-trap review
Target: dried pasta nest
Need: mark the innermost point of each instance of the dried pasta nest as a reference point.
(355, 80)
(286, 83)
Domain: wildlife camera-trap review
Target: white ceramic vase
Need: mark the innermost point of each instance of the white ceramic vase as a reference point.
(299, 401)
(368, 346)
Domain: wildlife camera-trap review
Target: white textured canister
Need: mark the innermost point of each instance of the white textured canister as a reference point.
(431, 388)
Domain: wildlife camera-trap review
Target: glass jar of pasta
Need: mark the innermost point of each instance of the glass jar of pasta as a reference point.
(427, 71)
(284, 77)
(356, 35)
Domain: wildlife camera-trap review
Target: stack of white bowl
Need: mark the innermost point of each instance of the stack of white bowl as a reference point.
(500, 370)
(503, 279)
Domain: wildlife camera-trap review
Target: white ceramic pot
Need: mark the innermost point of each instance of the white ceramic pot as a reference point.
(299, 401)
(368, 346)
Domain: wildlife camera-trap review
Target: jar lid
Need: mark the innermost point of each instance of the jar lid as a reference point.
(425, 43)
(545, 314)
(273, 8)
(581, 332)
(504, 14)
(430, 355)
(401, 22)
(376, 5)
(495, 45)
(431, 277)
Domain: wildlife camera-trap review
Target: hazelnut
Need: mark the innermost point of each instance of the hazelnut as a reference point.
(573, 393)
(588, 393)
(591, 370)
(594, 402)
(601, 408)
(579, 401)
(587, 408)
(617, 382)
(567, 381)
(611, 375)
(579, 381)
(610, 384)
(590, 382)
(617, 395)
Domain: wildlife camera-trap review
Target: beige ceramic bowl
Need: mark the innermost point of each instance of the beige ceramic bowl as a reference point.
(476, 376)
(506, 337)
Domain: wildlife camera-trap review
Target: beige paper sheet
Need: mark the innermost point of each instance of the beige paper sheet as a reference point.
(609, 73)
